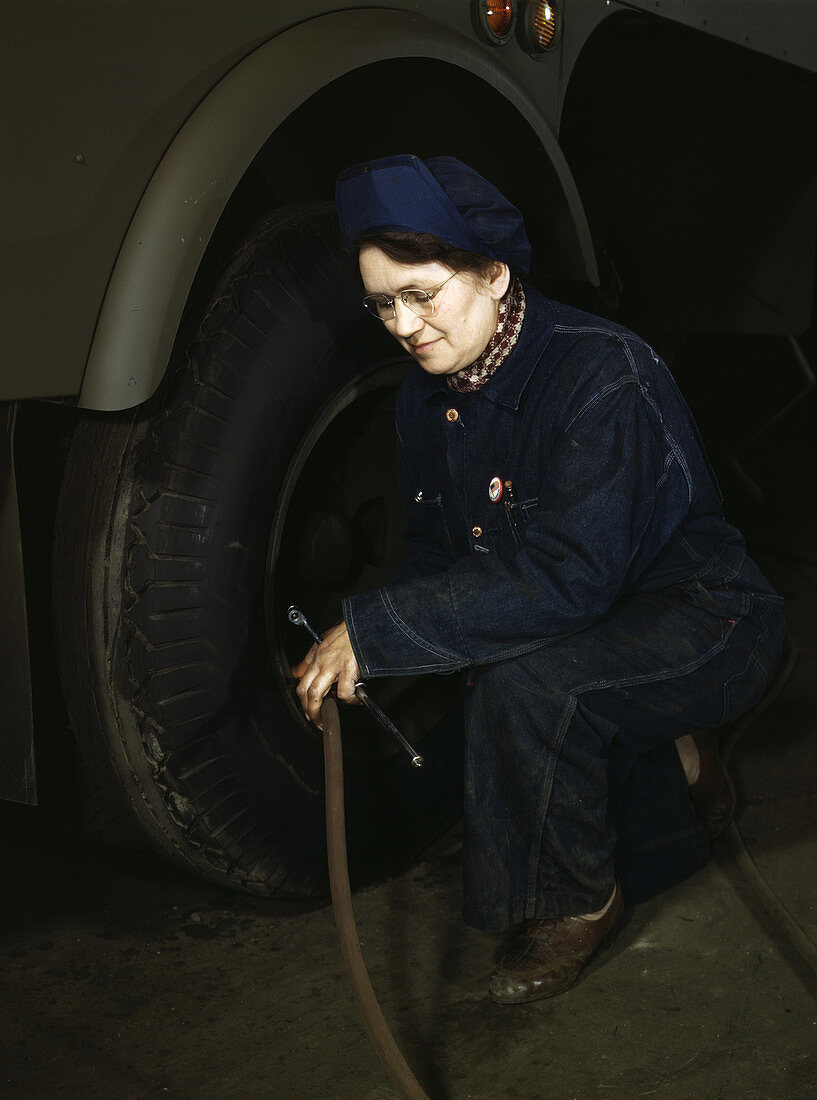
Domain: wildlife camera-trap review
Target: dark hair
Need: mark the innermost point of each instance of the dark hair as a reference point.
(406, 247)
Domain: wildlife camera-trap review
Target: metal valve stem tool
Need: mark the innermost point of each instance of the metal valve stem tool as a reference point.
(297, 618)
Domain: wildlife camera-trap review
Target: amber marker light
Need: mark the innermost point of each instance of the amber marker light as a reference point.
(495, 18)
(542, 25)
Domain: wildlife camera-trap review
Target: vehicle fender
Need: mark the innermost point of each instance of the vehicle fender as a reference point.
(184, 199)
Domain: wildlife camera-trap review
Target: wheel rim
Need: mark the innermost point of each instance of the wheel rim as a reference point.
(337, 529)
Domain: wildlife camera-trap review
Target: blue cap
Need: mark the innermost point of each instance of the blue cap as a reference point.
(441, 196)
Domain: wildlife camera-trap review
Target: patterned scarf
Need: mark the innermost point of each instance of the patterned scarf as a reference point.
(499, 347)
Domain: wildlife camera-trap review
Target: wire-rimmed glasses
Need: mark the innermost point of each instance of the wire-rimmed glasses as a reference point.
(420, 302)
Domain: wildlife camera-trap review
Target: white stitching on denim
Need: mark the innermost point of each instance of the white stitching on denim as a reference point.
(598, 397)
(391, 611)
(659, 677)
(682, 462)
(667, 467)
(406, 670)
(713, 559)
(763, 616)
(543, 803)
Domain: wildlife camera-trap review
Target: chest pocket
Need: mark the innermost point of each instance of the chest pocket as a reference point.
(514, 518)
(505, 524)
(428, 520)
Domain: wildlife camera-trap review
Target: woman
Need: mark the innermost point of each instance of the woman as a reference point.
(567, 549)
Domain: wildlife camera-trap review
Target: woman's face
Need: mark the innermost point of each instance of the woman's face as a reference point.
(465, 309)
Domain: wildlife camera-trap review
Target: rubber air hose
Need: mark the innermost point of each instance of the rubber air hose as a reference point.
(373, 1019)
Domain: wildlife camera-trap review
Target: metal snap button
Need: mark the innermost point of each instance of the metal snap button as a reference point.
(452, 415)
(476, 532)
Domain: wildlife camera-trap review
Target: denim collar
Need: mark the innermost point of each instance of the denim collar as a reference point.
(507, 385)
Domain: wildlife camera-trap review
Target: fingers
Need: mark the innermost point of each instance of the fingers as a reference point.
(302, 665)
(346, 681)
(313, 696)
(314, 684)
(331, 662)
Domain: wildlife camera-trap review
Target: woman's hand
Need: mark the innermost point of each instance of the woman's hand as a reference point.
(331, 662)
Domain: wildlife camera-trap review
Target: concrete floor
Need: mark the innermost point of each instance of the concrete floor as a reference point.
(124, 978)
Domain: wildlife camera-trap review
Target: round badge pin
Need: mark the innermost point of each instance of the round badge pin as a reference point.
(495, 489)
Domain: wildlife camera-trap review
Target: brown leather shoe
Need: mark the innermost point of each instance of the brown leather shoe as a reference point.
(712, 793)
(548, 955)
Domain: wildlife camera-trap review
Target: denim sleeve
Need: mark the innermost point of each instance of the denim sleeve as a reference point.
(614, 491)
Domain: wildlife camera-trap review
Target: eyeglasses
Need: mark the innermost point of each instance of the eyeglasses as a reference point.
(420, 302)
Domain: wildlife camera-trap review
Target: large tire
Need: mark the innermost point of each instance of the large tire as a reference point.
(261, 474)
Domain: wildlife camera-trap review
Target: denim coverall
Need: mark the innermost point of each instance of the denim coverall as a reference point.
(601, 609)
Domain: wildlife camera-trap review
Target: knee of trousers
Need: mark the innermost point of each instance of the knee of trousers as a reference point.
(512, 690)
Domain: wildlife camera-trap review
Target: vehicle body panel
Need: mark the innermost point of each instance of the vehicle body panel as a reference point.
(82, 146)
(786, 31)
(131, 124)
(177, 214)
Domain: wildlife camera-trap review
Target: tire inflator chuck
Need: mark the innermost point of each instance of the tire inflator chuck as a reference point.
(297, 618)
